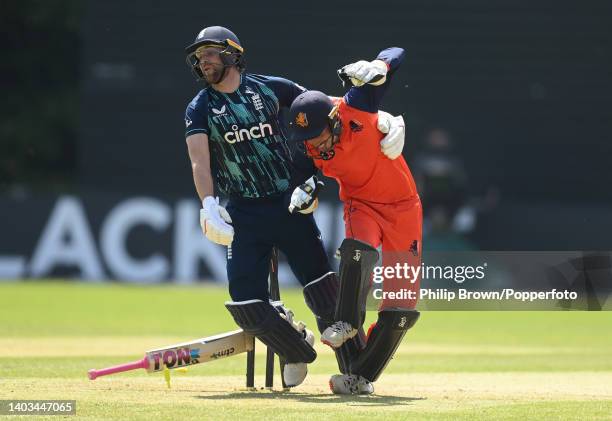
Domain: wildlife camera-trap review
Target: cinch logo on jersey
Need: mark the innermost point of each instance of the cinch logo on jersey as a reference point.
(254, 132)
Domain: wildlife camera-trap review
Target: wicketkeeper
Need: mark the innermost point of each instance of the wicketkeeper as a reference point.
(381, 207)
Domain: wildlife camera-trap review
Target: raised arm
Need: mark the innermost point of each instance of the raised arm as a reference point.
(371, 79)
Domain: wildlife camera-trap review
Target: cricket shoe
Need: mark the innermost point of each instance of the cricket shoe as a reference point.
(350, 384)
(337, 334)
(295, 373)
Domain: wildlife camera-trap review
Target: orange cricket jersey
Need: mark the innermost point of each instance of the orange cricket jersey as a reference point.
(359, 166)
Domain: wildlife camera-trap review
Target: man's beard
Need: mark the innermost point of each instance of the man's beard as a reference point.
(214, 76)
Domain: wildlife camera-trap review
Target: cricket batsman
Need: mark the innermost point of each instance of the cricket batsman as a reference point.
(381, 208)
(235, 140)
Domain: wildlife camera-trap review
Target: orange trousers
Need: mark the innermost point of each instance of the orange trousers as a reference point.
(398, 228)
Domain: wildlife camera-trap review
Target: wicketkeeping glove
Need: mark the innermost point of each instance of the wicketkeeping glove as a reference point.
(304, 198)
(215, 221)
(393, 143)
(362, 72)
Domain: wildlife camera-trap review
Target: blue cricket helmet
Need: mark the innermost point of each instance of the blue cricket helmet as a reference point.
(217, 36)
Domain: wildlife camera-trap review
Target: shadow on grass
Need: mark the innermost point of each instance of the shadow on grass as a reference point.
(352, 400)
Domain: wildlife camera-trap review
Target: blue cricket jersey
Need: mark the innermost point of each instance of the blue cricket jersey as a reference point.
(249, 154)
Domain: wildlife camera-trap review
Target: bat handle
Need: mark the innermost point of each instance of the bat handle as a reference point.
(93, 373)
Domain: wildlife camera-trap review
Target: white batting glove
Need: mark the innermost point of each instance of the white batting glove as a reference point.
(215, 221)
(362, 72)
(304, 198)
(393, 143)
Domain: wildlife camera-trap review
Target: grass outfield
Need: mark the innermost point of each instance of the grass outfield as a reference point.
(452, 365)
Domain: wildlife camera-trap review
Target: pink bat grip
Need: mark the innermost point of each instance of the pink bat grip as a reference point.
(93, 373)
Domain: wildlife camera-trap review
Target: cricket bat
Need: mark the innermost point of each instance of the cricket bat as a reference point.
(185, 354)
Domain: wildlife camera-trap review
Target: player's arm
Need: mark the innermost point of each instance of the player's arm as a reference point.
(371, 79)
(196, 136)
(199, 154)
(214, 219)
